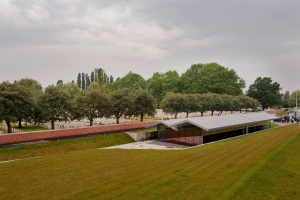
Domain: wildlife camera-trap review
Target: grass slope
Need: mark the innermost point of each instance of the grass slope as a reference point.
(63, 146)
(247, 167)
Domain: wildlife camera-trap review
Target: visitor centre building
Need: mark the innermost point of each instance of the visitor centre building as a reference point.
(201, 130)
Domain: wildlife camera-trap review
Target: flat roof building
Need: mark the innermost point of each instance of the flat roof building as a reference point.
(201, 130)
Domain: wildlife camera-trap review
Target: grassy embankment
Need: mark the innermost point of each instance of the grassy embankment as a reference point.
(63, 146)
(262, 165)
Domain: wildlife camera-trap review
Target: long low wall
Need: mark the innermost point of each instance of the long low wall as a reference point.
(14, 138)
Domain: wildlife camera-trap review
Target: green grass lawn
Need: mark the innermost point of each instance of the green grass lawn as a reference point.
(63, 146)
(144, 130)
(262, 165)
(30, 128)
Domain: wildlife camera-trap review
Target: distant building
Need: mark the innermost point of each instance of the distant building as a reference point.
(201, 130)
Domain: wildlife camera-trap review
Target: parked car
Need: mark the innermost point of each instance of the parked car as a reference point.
(279, 119)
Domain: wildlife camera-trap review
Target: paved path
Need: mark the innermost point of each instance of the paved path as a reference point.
(149, 144)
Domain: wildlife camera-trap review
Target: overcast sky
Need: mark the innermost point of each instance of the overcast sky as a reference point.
(57, 39)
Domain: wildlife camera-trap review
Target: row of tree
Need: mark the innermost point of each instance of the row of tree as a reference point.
(189, 103)
(26, 101)
(18, 103)
(98, 75)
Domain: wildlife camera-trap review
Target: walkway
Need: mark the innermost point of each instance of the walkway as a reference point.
(149, 144)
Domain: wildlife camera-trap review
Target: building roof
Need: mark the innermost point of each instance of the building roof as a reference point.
(216, 122)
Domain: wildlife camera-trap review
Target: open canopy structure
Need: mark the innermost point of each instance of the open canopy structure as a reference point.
(217, 122)
(199, 130)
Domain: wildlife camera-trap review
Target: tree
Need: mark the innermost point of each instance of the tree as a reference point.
(71, 88)
(83, 85)
(100, 77)
(293, 97)
(215, 102)
(173, 104)
(34, 87)
(79, 80)
(111, 79)
(266, 92)
(92, 77)
(161, 84)
(59, 82)
(211, 77)
(88, 81)
(143, 104)
(121, 103)
(54, 105)
(91, 104)
(16, 102)
(191, 104)
(285, 101)
(246, 102)
(134, 82)
(94, 86)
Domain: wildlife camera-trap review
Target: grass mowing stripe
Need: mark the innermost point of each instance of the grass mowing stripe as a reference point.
(204, 172)
(268, 156)
(280, 174)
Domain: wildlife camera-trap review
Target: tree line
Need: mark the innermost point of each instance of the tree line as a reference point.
(190, 103)
(25, 100)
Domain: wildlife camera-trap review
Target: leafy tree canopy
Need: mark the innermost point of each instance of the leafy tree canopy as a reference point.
(211, 77)
(143, 104)
(54, 105)
(34, 87)
(266, 92)
(71, 88)
(121, 103)
(292, 99)
(15, 102)
(91, 104)
(134, 82)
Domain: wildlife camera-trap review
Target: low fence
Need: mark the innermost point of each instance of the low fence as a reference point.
(13, 138)
(143, 136)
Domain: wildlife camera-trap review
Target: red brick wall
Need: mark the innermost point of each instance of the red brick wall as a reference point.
(13, 138)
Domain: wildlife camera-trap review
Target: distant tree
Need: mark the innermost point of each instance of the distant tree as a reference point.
(266, 92)
(285, 101)
(88, 81)
(16, 103)
(191, 104)
(173, 104)
(34, 87)
(213, 78)
(143, 104)
(92, 76)
(132, 81)
(71, 88)
(94, 86)
(121, 103)
(101, 77)
(111, 79)
(54, 105)
(246, 102)
(91, 105)
(161, 84)
(293, 97)
(83, 85)
(59, 82)
(79, 80)
(215, 102)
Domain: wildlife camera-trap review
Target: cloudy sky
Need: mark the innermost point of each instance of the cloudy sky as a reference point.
(57, 39)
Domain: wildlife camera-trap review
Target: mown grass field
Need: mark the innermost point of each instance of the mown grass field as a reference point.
(262, 165)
